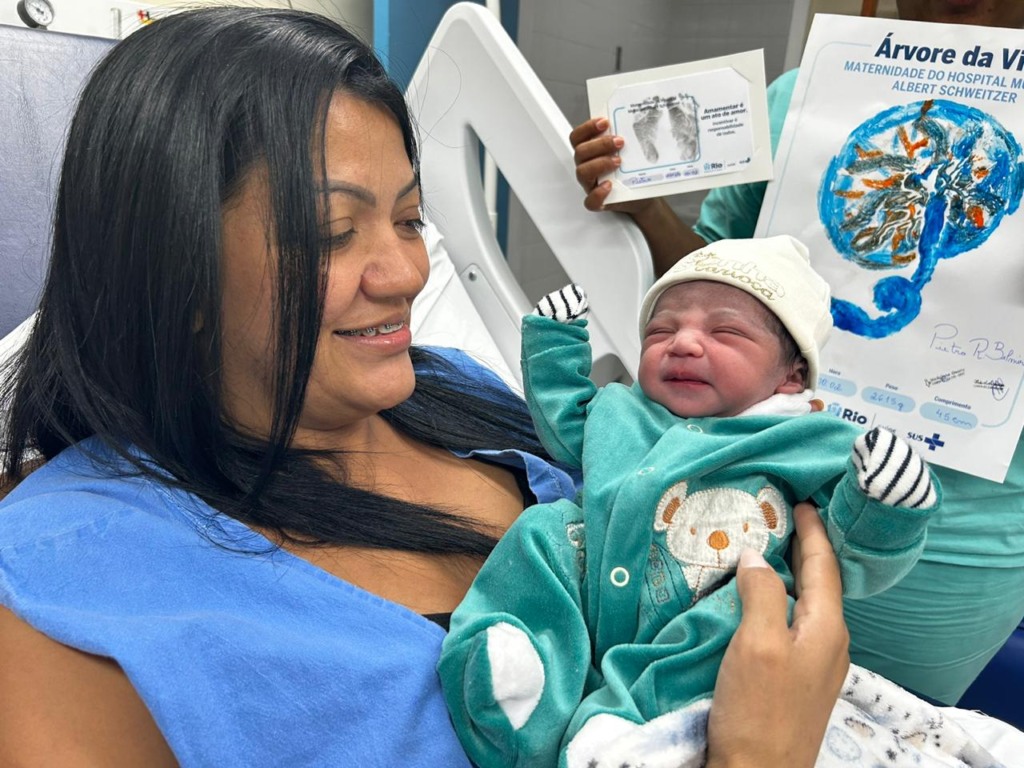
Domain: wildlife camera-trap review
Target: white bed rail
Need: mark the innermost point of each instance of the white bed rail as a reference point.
(473, 86)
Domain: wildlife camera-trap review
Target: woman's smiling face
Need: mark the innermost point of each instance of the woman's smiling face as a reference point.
(377, 266)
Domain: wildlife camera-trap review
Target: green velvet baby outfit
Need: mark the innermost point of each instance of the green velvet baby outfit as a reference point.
(622, 604)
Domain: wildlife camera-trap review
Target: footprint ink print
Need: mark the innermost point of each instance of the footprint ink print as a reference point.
(645, 126)
(682, 116)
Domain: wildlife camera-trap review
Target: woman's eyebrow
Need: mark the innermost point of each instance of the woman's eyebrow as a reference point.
(363, 194)
(412, 186)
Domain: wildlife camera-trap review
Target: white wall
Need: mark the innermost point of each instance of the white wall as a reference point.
(568, 41)
(356, 15)
(100, 17)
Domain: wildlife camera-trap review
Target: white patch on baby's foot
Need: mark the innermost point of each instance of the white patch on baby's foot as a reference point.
(517, 674)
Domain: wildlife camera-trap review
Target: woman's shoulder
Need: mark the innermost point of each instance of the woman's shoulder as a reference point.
(85, 486)
(120, 566)
(83, 529)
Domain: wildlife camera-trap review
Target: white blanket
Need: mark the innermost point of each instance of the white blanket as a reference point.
(874, 723)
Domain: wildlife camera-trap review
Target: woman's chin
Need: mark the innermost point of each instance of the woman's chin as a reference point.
(336, 409)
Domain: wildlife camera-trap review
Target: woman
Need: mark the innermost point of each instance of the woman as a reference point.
(256, 492)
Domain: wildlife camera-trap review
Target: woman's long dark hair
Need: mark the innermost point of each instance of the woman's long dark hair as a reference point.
(167, 128)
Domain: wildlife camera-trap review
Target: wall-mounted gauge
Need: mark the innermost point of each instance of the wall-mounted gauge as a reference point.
(37, 14)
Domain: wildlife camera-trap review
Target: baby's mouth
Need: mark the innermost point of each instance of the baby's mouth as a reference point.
(684, 378)
(380, 330)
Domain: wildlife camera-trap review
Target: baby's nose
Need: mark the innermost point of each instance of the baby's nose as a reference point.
(688, 342)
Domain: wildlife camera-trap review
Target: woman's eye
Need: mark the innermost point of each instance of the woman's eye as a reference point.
(416, 225)
(339, 239)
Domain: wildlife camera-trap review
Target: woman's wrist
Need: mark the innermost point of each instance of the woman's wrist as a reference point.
(667, 236)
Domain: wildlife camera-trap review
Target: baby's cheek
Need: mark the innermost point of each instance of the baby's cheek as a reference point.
(646, 377)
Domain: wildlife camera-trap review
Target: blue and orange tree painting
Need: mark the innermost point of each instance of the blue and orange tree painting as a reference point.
(912, 185)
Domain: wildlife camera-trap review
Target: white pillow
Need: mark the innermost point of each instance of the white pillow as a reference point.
(9, 346)
(444, 315)
(14, 340)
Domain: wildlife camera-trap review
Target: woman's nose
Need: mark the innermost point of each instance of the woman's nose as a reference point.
(398, 269)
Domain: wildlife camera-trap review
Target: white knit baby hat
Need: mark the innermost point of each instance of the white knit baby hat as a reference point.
(774, 270)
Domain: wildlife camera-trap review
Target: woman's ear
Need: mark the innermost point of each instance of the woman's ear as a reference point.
(795, 379)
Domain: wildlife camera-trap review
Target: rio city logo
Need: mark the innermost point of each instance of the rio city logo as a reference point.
(847, 414)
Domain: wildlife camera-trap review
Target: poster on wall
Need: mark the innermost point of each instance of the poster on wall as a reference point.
(689, 126)
(900, 166)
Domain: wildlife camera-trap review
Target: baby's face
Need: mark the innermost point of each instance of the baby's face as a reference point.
(710, 350)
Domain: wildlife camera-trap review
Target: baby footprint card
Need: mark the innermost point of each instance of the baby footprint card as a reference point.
(687, 126)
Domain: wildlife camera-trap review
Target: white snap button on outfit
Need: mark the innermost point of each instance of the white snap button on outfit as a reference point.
(619, 576)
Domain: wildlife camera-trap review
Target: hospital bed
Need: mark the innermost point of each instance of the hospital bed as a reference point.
(472, 87)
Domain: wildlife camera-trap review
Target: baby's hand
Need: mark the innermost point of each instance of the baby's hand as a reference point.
(564, 305)
(890, 471)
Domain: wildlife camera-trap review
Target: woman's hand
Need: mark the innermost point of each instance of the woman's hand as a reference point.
(778, 683)
(595, 153)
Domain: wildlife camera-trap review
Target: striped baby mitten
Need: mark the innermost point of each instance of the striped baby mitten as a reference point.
(564, 305)
(890, 471)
